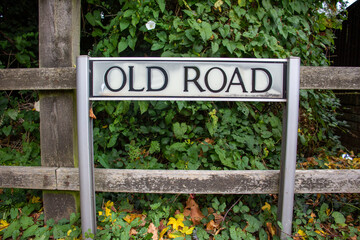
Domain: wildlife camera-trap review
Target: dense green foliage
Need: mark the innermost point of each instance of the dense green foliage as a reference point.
(18, 34)
(19, 129)
(198, 135)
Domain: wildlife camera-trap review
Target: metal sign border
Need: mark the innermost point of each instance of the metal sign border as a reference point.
(192, 60)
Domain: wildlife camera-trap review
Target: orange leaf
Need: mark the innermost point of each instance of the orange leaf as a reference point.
(129, 218)
(192, 209)
(91, 114)
(271, 228)
(211, 226)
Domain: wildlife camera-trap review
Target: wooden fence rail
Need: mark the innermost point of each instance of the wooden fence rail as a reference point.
(181, 181)
(344, 78)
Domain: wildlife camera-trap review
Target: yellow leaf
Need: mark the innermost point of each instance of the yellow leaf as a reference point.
(176, 235)
(35, 199)
(218, 4)
(187, 230)
(328, 212)
(163, 232)
(176, 223)
(320, 232)
(266, 207)
(131, 217)
(301, 233)
(107, 212)
(3, 224)
(109, 204)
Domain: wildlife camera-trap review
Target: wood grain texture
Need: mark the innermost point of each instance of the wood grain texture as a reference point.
(59, 33)
(180, 181)
(344, 78)
(212, 182)
(28, 177)
(38, 78)
(57, 126)
(59, 41)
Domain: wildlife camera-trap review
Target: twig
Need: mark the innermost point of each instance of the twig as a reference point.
(230, 209)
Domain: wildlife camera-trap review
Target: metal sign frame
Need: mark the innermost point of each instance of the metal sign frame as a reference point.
(289, 135)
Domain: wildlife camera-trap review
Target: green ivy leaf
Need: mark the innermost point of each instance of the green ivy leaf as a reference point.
(242, 3)
(156, 46)
(162, 36)
(7, 130)
(254, 223)
(11, 228)
(205, 31)
(179, 130)
(90, 18)
(30, 231)
(112, 140)
(131, 42)
(338, 217)
(129, 13)
(214, 47)
(26, 221)
(223, 158)
(154, 147)
(161, 5)
(124, 24)
(122, 45)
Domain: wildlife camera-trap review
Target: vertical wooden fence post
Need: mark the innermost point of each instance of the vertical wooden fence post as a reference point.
(59, 41)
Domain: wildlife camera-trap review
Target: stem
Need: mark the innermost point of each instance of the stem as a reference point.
(230, 209)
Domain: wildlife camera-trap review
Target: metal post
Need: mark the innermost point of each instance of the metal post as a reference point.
(85, 145)
(289, 148)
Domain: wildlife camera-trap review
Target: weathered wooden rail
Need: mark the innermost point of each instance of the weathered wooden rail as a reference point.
(342, 78)
(180, 181)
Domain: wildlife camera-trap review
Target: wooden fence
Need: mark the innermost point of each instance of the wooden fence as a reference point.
(59, 34)
(166, 181)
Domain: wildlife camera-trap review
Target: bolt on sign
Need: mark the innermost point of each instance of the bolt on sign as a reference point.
(188, 79)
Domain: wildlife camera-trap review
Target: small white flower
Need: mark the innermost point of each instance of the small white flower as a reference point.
(150, 25)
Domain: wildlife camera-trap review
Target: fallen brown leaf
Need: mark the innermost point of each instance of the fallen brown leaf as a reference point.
(271, 228)
(209, 141)
(211, 226)
(152, 229)
(91, 114)
(192, 209)
(133, 232)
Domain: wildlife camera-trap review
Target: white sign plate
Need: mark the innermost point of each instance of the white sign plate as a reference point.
(222, 79)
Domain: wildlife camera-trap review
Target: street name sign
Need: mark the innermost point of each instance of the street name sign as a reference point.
(188, 79)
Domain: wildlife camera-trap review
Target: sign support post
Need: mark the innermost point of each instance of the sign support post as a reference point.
(289, 148)
(188, 79)
(85, 145)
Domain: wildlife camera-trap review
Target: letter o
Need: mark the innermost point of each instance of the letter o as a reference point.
(207, 81)
(107, 83)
